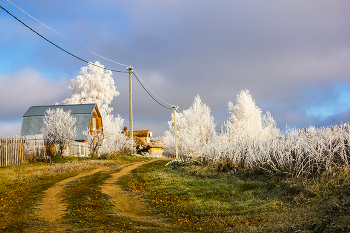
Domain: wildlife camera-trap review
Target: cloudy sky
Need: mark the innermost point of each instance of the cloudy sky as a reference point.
(294, 56)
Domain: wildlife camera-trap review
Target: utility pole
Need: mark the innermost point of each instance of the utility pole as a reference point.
(176, 150)
(131, 136)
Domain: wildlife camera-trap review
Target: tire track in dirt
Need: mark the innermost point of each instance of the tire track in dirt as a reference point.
(128, 205)
(51, 208)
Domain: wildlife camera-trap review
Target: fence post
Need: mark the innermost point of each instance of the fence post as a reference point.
(3, 147)
(1, 152)
(6, 153)
(9, 153)
(20, 150)
(14, 149)
(17, 151)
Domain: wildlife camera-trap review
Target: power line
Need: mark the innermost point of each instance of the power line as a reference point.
(117, 71)
(148, 92)
(134, 72)
(65, 37)
(151, 89)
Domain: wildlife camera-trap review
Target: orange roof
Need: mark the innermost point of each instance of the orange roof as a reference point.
(141, 133)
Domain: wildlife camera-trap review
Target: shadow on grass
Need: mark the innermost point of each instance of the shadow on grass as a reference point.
(197, 198)
(90, 210)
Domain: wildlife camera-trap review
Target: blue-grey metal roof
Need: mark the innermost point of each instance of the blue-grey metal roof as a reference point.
(33, 119)
(75, 109)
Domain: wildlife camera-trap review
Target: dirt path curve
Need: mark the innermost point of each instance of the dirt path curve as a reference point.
(130, 206)
(51, 208)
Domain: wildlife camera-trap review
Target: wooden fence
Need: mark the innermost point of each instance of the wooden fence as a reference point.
(11, 151)
(14, 151)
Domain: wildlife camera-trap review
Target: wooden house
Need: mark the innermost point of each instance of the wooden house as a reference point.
(87, 117)
(142, 136)
(144, 144)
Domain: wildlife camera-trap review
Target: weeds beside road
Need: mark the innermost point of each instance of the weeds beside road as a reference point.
(21, 187)
(198, 198)
(187, 199)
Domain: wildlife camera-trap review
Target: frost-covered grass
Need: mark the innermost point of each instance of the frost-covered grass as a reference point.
(90, 210)
(201, 198)
(21, 186)
(250, 142)
(308, 152)
(27, 173)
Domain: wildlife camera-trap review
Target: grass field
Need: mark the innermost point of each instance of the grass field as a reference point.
(187, 199)
(201, 199)
(22, 187)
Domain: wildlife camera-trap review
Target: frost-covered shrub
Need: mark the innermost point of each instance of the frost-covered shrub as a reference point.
(159, 142)
(114, 140)
(195, 128)
(250, 141)
(34, 148)
(307, 152)
(95, 138)
(184, 162)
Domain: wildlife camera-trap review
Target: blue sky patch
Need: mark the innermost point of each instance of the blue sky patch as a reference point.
(333, 102)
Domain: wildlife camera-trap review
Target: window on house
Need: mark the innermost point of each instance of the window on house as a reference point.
(94, 123)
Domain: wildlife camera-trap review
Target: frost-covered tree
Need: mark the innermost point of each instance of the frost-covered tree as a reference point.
(95, 138)
(96, 85)
(93, 85)
(246, 120)
(59, 128)
(195, 128)
(114, 140)
(159, 142)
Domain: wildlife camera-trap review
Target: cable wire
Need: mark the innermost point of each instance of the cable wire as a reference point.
(65, 37)
(138, 78)
(117, 71)
(149, 93)
(150, 88)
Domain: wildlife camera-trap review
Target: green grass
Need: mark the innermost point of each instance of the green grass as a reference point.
(189, 198)
(90, 210)
(21, 187)
(199, 198)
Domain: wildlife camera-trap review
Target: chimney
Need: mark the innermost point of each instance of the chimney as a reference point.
(126, 131)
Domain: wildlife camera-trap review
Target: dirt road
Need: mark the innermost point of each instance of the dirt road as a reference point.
(128, 205)
(51, 209)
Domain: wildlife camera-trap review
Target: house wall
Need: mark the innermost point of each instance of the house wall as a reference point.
(34, 146)
(143, 135)
(95, 116)
(79, 149)
(155, 151)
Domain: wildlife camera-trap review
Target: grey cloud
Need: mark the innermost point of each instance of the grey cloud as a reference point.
(10, 128)
(20, 90)
(277, 49)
